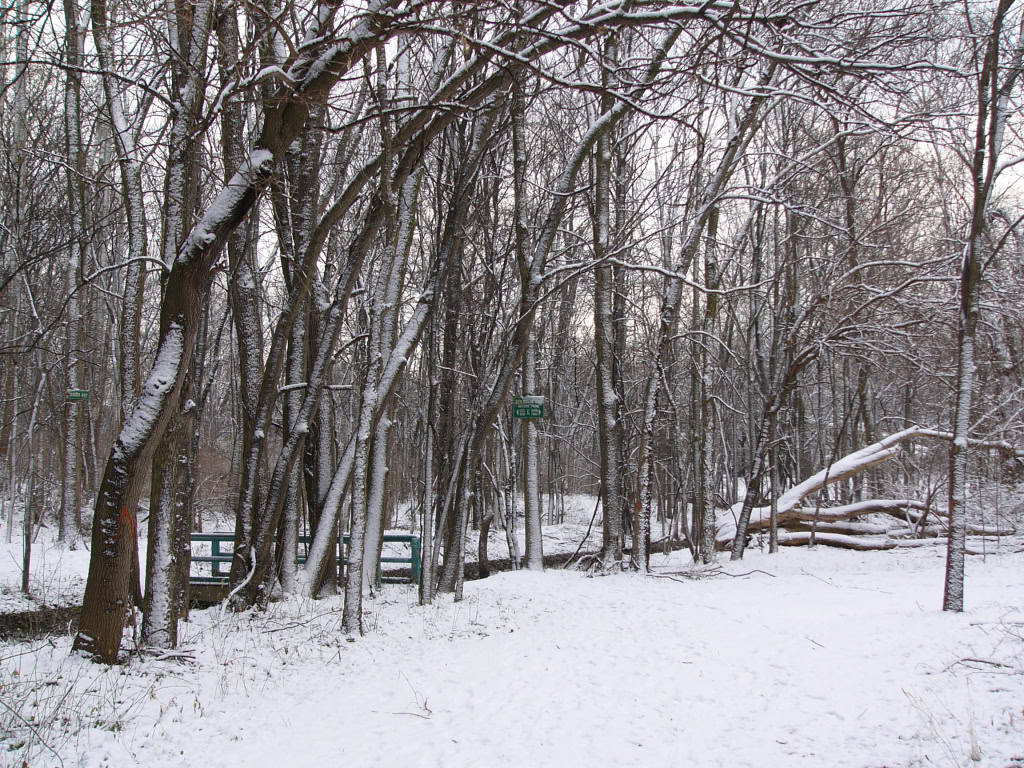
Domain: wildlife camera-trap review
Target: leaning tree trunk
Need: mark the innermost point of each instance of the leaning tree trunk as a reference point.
(113, 538)
(170, 487)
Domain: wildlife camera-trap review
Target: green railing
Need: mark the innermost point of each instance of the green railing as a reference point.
(222, 547)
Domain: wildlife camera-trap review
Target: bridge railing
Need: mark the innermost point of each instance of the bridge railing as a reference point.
(222, 546)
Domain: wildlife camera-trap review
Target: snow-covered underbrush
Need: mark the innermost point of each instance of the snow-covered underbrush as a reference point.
(57, 576)
(805, 658)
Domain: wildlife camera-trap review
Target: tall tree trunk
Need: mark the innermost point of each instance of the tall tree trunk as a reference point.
(70, 513)
(531, 448)
(993, 101)
(30, 510)
(705, 399)
(426, 591)
(160, 608)
(531, 471)
(608, 425)
(243, 294)
(171, 490)
(508, 495)
(384, 329)
(608, 405)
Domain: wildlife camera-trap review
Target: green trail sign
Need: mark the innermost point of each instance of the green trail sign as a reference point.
(74, 395)
(528, 407)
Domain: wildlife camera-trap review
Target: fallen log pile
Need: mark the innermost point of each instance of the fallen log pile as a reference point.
(893, 523)
(907, 522)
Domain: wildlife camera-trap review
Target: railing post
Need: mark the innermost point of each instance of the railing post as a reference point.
(415, 569)
(215, 564)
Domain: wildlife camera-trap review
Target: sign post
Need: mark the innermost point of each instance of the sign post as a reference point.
(528, 407)
(76, 395)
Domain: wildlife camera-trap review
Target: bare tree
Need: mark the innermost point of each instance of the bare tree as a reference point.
(996, 83)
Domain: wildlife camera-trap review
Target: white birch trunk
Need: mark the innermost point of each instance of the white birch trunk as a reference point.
(642, 519)
(288, 541)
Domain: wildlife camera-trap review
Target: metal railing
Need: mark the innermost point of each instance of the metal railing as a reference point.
(222, 548)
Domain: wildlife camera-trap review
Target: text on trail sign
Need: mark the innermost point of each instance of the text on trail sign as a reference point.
(74, 395)
(528, 407)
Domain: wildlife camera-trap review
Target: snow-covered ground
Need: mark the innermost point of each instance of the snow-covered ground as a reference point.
(805, 658)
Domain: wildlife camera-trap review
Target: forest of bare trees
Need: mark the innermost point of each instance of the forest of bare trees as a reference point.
(280, 267)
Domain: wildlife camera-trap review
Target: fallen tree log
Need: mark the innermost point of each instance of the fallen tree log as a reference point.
(848, 466)
(844, 527)
(942, 516)
(896, 507)
(928, 532)
(913, 543)
(991, 533)
(860, 543)
(760, 517)
(835, 472)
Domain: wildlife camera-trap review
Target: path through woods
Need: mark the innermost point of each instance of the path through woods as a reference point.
(838, 658)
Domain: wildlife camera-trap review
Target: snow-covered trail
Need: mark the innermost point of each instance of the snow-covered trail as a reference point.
(841, 659)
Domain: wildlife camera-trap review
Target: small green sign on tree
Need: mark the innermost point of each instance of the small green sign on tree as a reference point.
(528, 407)
(75, 395)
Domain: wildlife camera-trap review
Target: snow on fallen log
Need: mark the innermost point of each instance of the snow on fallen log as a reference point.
(981, 530)
(902, 509)
(789, 504)
(844, 527)
(844, 468)
(895, 507)
(941, 516)
(861, 543)
(933, 542)
(928, 542)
